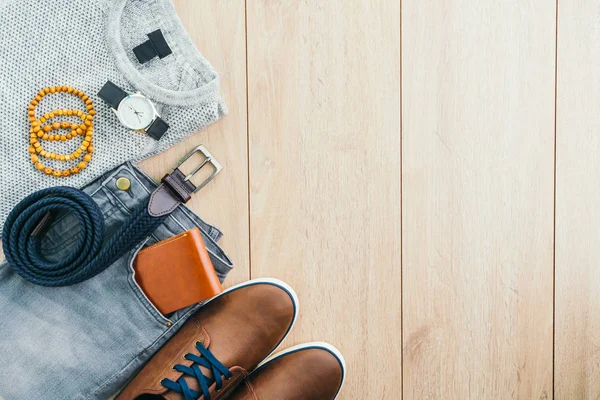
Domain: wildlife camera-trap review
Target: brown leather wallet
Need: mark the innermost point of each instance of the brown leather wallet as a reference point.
(177, 272)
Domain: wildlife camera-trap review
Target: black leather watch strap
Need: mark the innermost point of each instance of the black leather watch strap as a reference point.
(112, 94)
(157, 129)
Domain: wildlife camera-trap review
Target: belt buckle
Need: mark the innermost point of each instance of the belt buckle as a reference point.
(209, 159)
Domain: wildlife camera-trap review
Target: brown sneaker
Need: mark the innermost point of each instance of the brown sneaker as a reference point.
(214, 350)
(313, 371)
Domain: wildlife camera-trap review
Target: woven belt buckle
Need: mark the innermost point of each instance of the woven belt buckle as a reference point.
(208, 159)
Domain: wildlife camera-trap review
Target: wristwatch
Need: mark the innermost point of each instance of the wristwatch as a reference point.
(134, 110)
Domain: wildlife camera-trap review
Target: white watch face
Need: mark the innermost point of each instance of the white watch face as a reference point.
(136, 112)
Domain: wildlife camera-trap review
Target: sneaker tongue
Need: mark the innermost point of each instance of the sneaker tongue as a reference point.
(171, 395)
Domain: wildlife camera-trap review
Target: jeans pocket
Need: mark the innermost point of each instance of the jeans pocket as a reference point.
(139, 293)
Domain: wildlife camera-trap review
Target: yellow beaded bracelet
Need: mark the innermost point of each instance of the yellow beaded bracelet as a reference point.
(39, 132)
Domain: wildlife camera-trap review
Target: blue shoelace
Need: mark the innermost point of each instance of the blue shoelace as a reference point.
(206, 360)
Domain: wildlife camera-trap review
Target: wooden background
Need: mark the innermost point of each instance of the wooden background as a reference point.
(433, 200)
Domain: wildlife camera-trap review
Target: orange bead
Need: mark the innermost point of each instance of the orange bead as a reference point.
(47, 171)
(55, 126)
(65, 125)
(31, 149)
(74, 170)
(45, 137)
(79, 131)
(90, 149)
(63, 138)
(87, 157)
(59, 112)
(85, 98)
(92, 112)
(35, 158)
(66, 172)
(57, 173)
(39, 166)
(70, 89)
(69, 136)
(38, 149)
(82, 165)
(52, 90)
(88, 139)
(47, 128)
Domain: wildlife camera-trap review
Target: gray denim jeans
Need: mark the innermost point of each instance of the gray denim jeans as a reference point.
(85, 341)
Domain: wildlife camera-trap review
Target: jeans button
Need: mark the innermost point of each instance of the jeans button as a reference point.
(123, 183)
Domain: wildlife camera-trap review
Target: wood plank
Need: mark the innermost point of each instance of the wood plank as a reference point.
(324, 130)
(478, 113)
(218, 30)
(577, 361)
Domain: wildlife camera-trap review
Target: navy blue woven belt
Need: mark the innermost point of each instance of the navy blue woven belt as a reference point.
(21, 237)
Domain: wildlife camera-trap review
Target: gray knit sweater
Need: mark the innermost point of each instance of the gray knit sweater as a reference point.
(84, 43)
